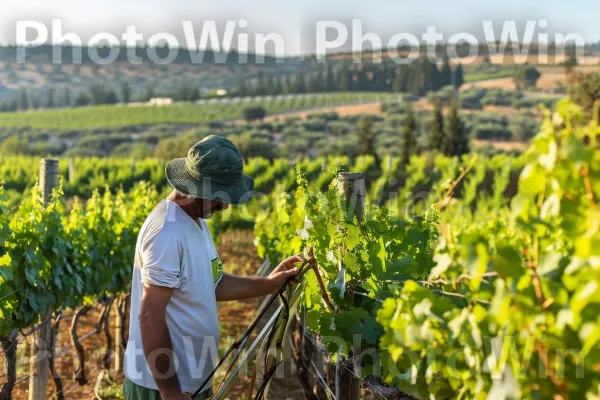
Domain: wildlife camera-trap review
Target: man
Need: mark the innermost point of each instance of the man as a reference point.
(178, 277)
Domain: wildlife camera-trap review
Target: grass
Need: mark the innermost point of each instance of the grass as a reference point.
(487, 76)
(106, 116)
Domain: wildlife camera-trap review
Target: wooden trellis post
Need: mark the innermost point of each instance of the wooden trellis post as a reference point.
(71, 170)
(38, 363)
(351, 186)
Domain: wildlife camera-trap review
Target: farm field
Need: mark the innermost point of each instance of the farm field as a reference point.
(446, 209)
(478, 244)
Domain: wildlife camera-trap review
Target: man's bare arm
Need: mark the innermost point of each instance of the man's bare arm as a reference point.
(156, 341)
(233, 287)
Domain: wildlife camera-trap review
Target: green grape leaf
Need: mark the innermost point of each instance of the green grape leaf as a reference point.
(508, 263)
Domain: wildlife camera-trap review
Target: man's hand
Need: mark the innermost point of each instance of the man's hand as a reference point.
(285, 270)
(232, 287)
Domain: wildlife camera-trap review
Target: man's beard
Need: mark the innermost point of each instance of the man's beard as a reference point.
(209, 212)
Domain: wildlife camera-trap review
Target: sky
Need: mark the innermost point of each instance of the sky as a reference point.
(296, 22)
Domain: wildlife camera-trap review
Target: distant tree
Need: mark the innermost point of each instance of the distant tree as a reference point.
(437, 138)
(23, 101)
(330, 83)
(125, 93)
(242, 88)
(430, 75)
(110, 97)
(270, 85)
(67, 97)
(82, 99)
(138, 151)
(289, 86)
(300, 82)
(194, 94)
(571, 58)
(527, 77)
(50, 98)
(97, 94)
(459, 77)
(34, 102)
(320, 84)
(261, 88)
(278, 86)
(313, 84)
(446, 73)
(584, 89)
(343, 79)
(149, 92)
(400, 81)
(183, 93)
(254, 113)
(416, 79)
(261, 147)
(457, 136)
(14, 145)
(409, 146)
(366, 138)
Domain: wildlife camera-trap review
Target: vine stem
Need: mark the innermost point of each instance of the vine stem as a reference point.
(446, 198)
(560, 385)
(585, 172)
(313, 263)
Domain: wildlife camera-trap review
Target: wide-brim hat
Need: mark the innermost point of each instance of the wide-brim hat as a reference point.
(213, 170)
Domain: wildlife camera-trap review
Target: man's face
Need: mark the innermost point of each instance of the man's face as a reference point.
(206, 208)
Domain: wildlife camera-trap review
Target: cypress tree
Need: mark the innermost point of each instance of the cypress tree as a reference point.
(278, 88)
(270, 85)
(431, 76)
(125, 93)
(458, 140)
(300, 82)
(194, 94)
(437, 139)
(319, 85)
(459, 78)
(50, 98)
(242, 87)
(313, 84)
(149, 92)
(409, 143)
(67, 97)
(261, 88)
(446, 73)
(289, 87)
(416, 79)
(330, 84)
(344, 78)
(23, 102)
(367, 138)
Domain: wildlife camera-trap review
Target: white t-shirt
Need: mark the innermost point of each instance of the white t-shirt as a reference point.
(172, 250)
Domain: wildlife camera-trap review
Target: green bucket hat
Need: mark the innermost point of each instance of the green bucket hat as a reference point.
(213, 170)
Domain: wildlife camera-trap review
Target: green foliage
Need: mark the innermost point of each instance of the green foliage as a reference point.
(50, 259)
(502, 305)
(254, 113)
(457, 135)
(437, 139)
(527, 77)
(409, 145)
(584, 89)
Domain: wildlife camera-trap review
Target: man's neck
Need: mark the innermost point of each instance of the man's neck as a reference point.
(184, 203)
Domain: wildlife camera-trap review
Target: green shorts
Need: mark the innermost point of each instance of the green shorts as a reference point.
(133, 391)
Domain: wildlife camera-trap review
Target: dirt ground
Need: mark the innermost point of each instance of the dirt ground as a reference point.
(239, 256)
(548, 80)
